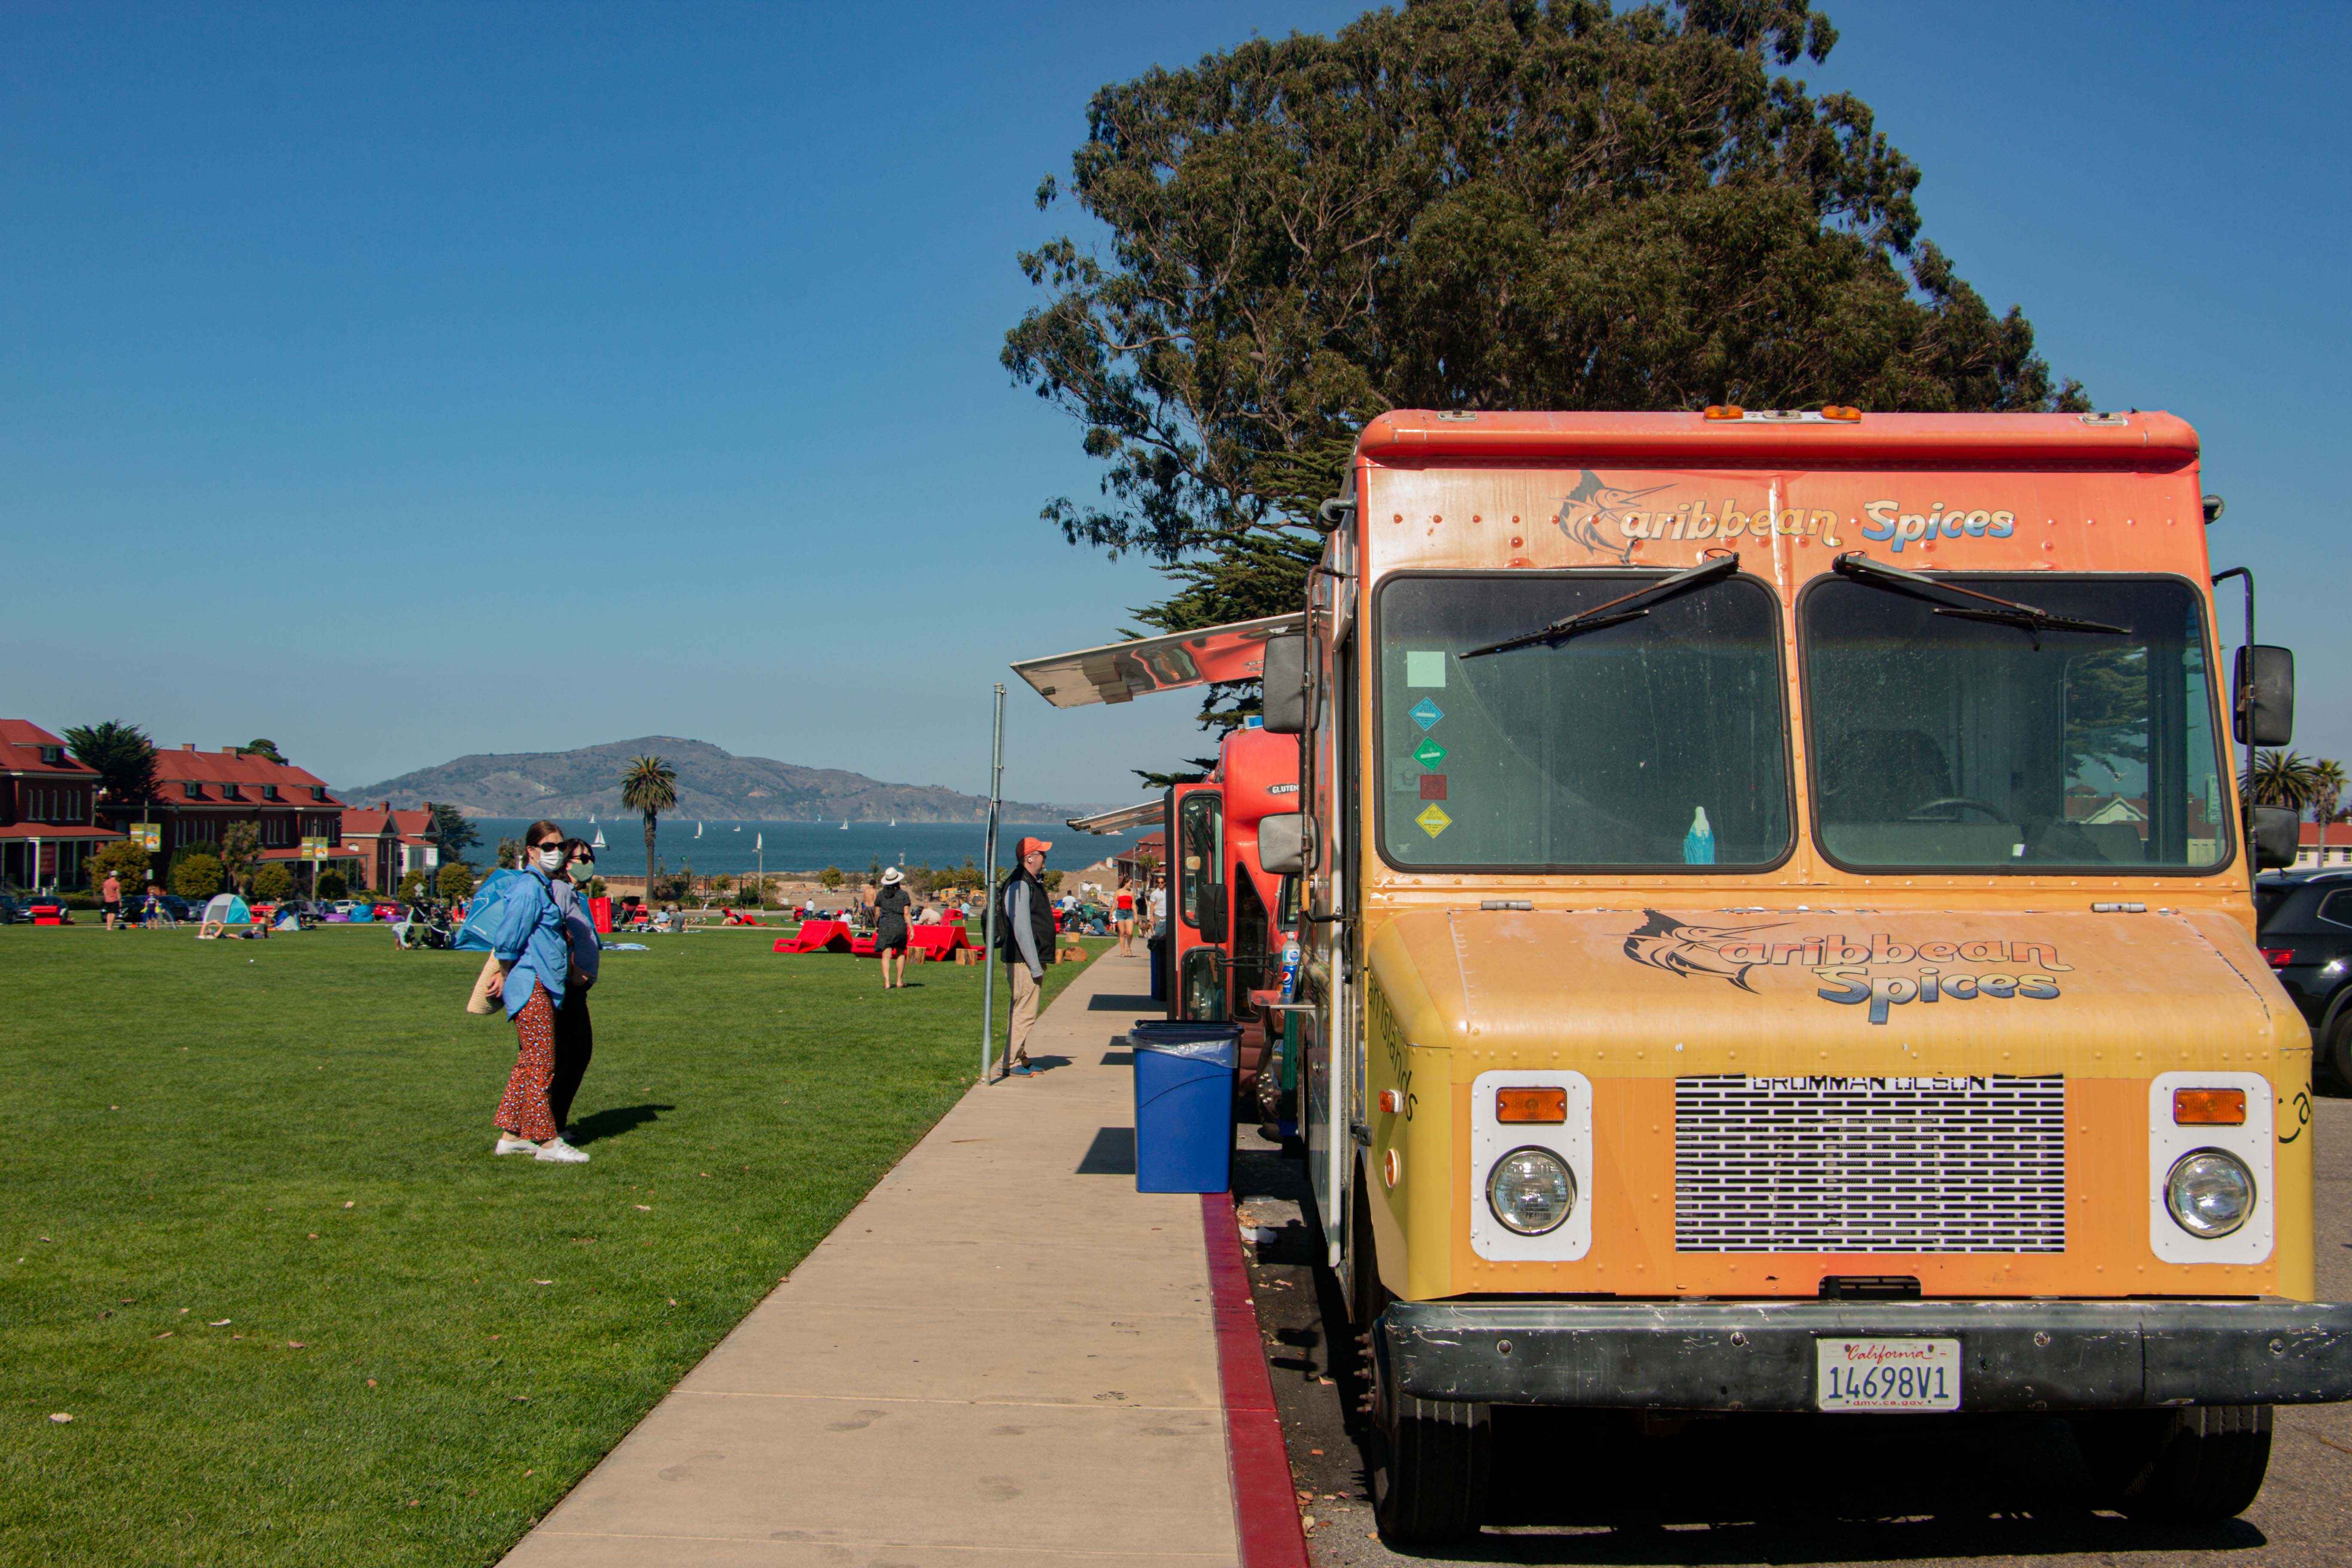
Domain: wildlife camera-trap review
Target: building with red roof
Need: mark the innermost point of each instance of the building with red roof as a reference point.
(198, 794)
(391, 843)
(49, 808)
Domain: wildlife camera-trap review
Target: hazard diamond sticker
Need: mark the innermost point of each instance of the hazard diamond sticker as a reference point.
(1434, 820)
(1426, 713)
(1429, 753)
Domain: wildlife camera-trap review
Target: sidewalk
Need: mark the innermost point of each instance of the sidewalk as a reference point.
(1004, 1355)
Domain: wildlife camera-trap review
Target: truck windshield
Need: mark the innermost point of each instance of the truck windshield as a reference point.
(1655, 743)
(1941, 741)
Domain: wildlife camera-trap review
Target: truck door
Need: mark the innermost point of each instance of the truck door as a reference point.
(1203, 915)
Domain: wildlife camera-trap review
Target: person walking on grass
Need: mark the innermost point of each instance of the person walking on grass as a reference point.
(891, 903)
(529, 936)
(575, 1038)
(1025, 938)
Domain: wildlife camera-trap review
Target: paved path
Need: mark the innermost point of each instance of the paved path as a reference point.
(1004, 1355)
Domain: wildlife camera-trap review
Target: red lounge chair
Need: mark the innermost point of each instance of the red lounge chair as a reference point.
(819, 936)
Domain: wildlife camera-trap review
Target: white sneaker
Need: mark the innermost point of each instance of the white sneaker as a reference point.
(555, 1150)
(510, 1145)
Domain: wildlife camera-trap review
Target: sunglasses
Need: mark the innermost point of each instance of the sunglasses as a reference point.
(551, 844)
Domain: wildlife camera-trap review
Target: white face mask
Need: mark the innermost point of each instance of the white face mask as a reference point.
(551, 861)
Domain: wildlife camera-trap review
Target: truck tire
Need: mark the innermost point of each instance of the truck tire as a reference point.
(2193, 1466)
(1429, 1478)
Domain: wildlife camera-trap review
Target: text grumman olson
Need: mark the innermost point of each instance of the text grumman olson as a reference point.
(1779, 937)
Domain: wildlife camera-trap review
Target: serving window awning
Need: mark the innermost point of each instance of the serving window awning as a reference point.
(1149, 814)
(1121, 672)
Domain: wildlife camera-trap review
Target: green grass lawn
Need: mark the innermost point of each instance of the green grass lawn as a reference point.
(424, 1346)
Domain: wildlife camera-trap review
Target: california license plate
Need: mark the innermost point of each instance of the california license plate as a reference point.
(1888, 1375)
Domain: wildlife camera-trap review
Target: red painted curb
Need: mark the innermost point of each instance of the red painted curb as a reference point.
(1266, 1500)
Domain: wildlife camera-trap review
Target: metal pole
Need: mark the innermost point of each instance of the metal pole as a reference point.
(988, 926)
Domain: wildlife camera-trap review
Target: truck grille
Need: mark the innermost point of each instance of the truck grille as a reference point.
(1870, 1165)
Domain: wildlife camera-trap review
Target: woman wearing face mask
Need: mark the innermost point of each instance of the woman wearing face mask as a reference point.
(532, 940)
(575, 1038)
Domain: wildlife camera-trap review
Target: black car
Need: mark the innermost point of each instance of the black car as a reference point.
(2305, 931)
(14, 909)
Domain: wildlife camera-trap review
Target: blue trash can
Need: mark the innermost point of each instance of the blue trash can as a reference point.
(1184, 1106)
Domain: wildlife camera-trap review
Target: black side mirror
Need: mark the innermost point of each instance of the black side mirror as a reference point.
(1283, 843)
(2277, 833)
(1285, 673)
(2265, 687)
(1213, 912)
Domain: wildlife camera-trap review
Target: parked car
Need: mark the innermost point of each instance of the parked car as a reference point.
(12, 909)
(179, 908)
(44, 906)
(2304, 929)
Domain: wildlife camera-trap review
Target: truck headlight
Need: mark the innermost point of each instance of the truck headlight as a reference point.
(1532, 1191)
(2209, 1193)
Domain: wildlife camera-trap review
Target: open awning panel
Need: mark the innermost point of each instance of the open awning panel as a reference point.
(1121, 672)
(1147, 815)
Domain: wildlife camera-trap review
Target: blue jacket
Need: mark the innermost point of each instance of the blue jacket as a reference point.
(529, 930)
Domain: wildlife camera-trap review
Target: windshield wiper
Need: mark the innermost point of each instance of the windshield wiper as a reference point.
(2026, 618)
(1617, 609)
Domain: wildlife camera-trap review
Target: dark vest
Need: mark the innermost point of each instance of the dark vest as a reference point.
(1041, 918)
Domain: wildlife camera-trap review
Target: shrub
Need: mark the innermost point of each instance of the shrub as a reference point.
(196, 877)
(128, 860)
(272, 882)
(331, 885)
(412, 886)
(455, 881)
(832, 878)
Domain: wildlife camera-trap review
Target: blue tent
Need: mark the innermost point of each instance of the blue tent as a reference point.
(481, 910)
(228, 909)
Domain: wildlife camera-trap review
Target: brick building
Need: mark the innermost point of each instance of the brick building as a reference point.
(48, 809)
(389, 843)
(199, 794)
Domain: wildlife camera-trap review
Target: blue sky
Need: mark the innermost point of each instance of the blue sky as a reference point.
(405, 382)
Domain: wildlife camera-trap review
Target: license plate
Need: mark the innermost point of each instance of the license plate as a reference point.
(1888, 1375)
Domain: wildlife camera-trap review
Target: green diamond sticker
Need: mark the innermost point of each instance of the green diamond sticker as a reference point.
(1429, 753)
(1434, 820)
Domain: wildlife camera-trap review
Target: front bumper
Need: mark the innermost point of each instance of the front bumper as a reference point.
(1758, 1355)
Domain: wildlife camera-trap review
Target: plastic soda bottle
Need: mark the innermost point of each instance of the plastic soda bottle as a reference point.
(1289, 968)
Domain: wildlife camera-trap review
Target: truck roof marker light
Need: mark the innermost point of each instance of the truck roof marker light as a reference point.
(1532, 1105)
(1841, 410)
(1725, 411)
(2209, 1108)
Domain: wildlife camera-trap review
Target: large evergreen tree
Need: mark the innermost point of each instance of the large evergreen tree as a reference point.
(1475, 203)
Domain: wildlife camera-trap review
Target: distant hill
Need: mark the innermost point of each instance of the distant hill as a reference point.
(710, 783)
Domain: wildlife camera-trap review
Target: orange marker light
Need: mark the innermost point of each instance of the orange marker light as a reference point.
(1532, 1105)
(1725, 411)
(1841, 410)
(2209, 1108)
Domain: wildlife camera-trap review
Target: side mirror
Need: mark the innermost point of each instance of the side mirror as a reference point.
(1212, 912)
(2265, 687)
(1284, 842)
(1285, 672)
(2277, 833)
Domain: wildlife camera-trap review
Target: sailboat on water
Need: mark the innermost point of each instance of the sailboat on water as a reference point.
(845, 825)
(697, 830)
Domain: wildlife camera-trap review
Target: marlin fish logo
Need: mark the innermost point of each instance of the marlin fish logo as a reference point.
(1589, 515)
(1663, 943)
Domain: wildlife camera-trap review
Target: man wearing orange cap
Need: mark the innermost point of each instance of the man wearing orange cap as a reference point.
(1024, 935)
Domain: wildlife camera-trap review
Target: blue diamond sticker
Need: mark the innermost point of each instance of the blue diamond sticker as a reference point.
(1426, 713)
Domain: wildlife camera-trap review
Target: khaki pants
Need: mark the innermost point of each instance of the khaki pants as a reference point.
(1023, 1016)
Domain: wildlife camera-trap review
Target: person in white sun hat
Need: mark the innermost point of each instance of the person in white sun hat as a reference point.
(891, 905)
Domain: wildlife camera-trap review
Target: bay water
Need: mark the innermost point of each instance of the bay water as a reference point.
(794, 846)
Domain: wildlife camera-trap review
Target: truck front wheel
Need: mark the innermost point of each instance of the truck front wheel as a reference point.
(2191, 1465)
(1429, 1479)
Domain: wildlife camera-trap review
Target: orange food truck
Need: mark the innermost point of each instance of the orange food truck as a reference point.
(1781, 938)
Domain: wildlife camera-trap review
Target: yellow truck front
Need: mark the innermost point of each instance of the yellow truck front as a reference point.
(1780, 941)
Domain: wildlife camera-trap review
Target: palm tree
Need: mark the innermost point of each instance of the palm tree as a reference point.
(2328, 783)
(2284, 778)
(649, 784)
